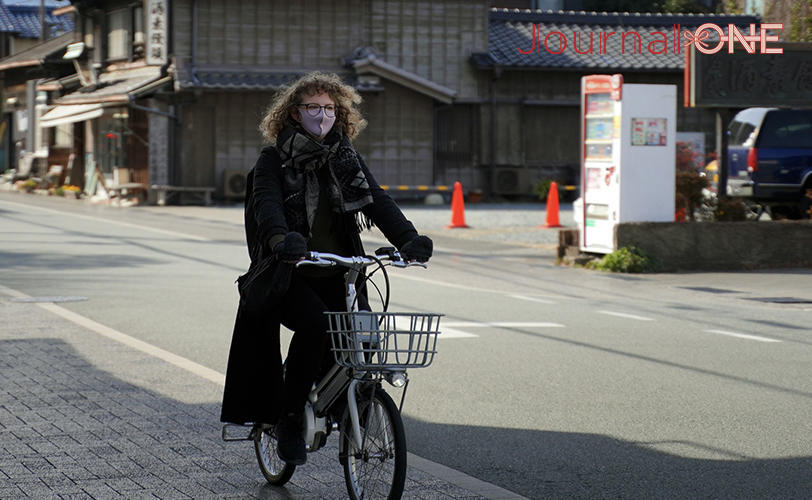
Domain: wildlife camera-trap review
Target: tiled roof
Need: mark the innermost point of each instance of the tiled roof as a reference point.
(26, 23)
(7, 24)
(243, 79)
(240, 80)
(512, 32)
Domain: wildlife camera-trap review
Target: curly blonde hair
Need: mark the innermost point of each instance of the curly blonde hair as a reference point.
(278, 114)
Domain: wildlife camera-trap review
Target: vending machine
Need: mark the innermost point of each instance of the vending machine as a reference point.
(628, 137)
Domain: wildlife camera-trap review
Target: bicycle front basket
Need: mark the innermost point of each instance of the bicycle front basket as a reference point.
(374, 340)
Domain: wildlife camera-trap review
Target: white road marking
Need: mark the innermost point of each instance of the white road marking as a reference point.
(533, 299)
(174, 359)
(451, 333)
(499, 324)
(449, 330)
(622, 315)
(744, 336)
(412, 277)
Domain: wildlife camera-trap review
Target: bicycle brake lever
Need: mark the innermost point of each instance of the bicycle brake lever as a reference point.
(404, 264)
(313, 258)
(390, 252)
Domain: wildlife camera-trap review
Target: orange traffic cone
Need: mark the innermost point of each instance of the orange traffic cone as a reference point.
(552, 207)
(457, 208)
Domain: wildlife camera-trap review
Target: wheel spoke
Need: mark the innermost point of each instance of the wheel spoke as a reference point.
(378, 470)
(273, 468)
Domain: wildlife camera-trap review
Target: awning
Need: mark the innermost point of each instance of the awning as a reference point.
(48, 51)
(372, 65)
(71, 114)
(118, 87)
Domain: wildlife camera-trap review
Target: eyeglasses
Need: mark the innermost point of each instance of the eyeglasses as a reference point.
(313, 109)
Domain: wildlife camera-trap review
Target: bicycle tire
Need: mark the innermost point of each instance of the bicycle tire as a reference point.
(378, 471)
(276, 471)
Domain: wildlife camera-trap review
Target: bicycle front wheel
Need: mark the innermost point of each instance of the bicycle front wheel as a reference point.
(273, 468)
(376, 470)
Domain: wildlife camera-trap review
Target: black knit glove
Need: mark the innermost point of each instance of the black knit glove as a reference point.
(419, 249)
(293, 249)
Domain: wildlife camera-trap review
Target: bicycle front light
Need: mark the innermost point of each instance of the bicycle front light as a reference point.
(397, 379)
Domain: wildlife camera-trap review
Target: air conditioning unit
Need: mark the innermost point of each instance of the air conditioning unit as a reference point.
(511, 180)
(234, 183)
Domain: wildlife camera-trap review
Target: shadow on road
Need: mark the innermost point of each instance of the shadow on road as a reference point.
(566, 466)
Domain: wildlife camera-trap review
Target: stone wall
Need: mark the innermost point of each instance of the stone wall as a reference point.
(712, 246)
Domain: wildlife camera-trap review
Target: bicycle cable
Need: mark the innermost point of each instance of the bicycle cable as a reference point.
(368, 278)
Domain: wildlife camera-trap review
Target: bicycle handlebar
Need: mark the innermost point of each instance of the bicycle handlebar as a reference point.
(328, 260)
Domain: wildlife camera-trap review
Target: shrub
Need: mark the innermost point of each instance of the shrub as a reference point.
(30, 185)
(627, 260)
(686, 157)
(724, 210)
(542, 188)
(690, 196)
(808, 213)
(731, 209)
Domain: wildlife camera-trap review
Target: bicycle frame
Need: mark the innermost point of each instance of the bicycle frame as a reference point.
(340, 379)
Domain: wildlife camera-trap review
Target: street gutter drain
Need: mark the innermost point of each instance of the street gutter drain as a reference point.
(49, 299)
(783, 300)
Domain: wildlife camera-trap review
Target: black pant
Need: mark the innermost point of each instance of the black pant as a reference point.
(302, 310)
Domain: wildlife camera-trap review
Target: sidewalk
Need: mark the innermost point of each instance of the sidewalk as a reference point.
(83, 416)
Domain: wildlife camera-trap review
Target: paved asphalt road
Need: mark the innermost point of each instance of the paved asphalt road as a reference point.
(551, 382)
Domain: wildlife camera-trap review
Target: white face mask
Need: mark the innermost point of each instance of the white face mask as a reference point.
(318, 125)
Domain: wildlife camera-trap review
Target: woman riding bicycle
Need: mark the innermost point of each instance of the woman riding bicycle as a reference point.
(309, 191)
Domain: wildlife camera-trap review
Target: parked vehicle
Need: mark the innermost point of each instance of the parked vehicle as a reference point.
(770, 159)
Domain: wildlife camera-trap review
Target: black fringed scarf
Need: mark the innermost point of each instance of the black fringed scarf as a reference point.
(349, 189)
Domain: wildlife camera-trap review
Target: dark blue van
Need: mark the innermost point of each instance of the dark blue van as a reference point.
(770, 159)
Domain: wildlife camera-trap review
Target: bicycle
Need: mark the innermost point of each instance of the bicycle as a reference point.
(368, 347)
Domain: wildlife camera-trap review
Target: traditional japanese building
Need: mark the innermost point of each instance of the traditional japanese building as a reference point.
(171, 93)
(28, 55)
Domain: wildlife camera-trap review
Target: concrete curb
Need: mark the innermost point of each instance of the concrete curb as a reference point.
(706, 246)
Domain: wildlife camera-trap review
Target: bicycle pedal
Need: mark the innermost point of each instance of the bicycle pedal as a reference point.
(228, 436)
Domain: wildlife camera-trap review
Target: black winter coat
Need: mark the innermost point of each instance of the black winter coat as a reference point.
(254, 385)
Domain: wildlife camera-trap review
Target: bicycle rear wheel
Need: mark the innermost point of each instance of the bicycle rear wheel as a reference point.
(276, 471)
(377, 471)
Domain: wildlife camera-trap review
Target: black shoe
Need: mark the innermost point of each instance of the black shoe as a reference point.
(290, 443)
